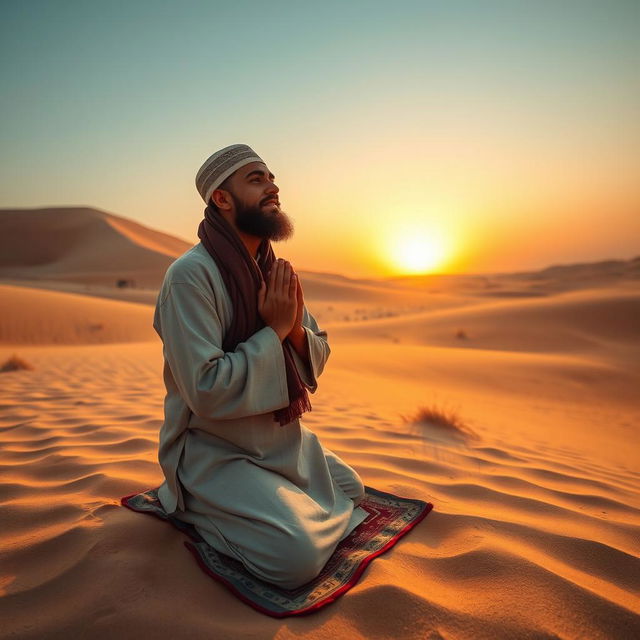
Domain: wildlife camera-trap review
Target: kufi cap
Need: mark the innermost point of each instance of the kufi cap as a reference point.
(218, 167)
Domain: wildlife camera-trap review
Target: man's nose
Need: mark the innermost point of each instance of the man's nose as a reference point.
(272, 187)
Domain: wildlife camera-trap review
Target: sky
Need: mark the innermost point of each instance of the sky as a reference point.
(452, 136)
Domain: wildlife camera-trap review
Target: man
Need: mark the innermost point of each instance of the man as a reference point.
(241, 354)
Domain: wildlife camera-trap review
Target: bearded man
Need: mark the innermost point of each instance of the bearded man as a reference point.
(241, 354)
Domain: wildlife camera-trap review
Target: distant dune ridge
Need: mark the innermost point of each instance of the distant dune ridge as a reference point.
(88, 246)
(85, 253)
(521, 410)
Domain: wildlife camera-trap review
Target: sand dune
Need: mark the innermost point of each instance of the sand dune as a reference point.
(536, 527)
(566, 322)
(36, 316)
(83, 245)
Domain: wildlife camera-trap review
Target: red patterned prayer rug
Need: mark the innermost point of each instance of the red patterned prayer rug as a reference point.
(390, 517)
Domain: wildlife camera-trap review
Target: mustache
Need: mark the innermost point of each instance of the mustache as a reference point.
(268, 200)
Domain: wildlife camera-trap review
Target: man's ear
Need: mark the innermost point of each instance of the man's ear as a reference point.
(222, 199)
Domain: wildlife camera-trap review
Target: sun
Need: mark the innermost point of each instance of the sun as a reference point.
(417, 252)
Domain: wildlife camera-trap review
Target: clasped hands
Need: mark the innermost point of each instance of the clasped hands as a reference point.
(281, 303)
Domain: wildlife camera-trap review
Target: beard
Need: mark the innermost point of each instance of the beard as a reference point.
(273, 225)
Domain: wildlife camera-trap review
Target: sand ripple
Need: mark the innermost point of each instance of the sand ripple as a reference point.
(524, 542)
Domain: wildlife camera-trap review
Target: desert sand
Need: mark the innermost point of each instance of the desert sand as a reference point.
(535, 531)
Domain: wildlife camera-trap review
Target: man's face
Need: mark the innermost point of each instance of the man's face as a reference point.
(257, 206)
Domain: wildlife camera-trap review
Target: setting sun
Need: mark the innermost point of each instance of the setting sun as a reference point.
(417, 252)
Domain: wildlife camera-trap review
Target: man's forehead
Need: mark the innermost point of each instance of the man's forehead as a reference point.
(253, 167)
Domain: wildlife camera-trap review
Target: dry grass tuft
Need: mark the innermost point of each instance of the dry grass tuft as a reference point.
(441, 419)
(15, 363)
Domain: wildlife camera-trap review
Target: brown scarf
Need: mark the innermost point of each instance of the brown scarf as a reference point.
(242, 278)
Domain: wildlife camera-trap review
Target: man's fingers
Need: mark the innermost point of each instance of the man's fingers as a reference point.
(282, 278)
(261, 294)
(286, 279)
(277, 276)
(273, 275)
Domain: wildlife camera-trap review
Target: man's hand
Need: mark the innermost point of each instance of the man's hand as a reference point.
(298, 336)
(277, 299)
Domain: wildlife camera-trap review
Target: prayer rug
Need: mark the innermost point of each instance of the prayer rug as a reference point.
(390, 517)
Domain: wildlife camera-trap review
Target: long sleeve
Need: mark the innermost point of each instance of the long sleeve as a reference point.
(318, 351)
(216, 385)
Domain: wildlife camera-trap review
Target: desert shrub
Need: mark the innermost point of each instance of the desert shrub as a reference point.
(15, 363)
(441, 418)
(461, 334)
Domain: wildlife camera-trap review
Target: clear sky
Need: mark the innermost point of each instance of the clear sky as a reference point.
(486, 136)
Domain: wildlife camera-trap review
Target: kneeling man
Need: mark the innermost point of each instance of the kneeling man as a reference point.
(241, 353)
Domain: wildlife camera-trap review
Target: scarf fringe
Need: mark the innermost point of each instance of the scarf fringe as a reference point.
(294, 410)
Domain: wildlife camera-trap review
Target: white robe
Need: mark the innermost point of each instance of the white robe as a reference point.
(272, 497)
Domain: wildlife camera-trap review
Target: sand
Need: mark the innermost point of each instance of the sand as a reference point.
(536, 527)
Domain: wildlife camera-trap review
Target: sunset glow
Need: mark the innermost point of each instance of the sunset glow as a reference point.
(513, 131)
(416, 250)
